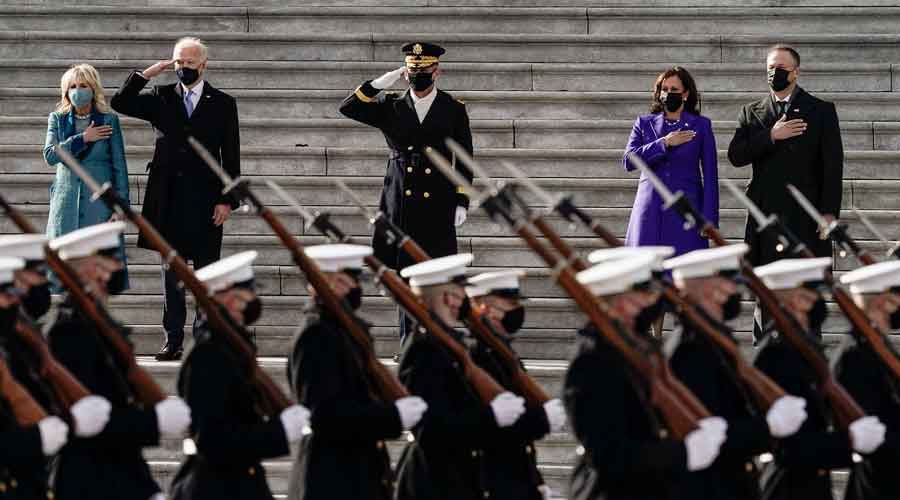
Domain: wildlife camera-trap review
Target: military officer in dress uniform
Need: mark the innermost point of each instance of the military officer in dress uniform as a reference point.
(230, 436)
(32, 279)
(803, 462)
(707, 279)
(416, 196)
(446, 461)
(345, 456)
(624, 453)
(109, 465)
(510, 458)
(875, 289)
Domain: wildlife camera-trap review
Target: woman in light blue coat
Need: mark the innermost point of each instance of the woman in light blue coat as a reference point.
(84, 125)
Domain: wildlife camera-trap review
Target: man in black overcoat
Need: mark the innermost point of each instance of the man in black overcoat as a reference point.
(184, 199)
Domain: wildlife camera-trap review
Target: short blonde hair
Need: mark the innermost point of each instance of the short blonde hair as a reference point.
(191, 41)
(81, 73)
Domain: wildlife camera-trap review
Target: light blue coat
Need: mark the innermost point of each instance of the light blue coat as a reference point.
(71, 207)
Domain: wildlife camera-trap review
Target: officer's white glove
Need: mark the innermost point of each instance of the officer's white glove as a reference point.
(54, 434)
(294, 419)
(704, 443)
(91, 413)
(507, 408)
(786, 416)
(386, 80)
(546, 492)
(867, 434)
(173, 417)
(460, 216)
(411, 409)
(556, 414)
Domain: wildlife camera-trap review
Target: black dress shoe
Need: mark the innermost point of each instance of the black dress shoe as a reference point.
(169, 353)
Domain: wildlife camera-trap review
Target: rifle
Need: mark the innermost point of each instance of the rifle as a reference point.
(25, 409)
(477, 322)
(763, 389)
(219, 320)
(679, 416)
(387, 386)
(845, 408)
(136, 380)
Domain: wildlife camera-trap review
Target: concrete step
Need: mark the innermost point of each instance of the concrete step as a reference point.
(537, 163)
(463, 47)
(573, 77)
(462, 3)
(531, 134)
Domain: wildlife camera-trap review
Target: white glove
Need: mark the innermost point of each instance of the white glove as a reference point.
(867, 434)
(91, 413)
(54, 434)
(507, 408)
(386, 80)
(173, 417)
(460, 216)
(546, 492)
(411, 409)
(704, 443)
(786, 416)
(556, 414)
(158, 496)
(294, 419)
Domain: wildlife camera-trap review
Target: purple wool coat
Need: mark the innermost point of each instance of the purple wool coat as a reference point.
(691, 168)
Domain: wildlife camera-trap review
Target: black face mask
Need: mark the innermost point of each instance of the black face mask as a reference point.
(778, 79)
(421, 80)
(817, 315)
(37, 302)
(253, 311)
(648, 316)
(354, 298)
(732, 307)
(672, 101)
(513, 319)
(464, 309)
(187, 75)
(895, 320)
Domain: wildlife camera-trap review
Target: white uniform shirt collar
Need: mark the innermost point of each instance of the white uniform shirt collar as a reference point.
(423, 104)
(197, 92)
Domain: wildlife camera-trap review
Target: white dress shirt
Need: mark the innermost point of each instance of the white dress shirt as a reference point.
(423, 104)
(197, 92)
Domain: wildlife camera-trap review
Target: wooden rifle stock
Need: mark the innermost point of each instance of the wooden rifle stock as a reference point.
(66, 387)
(25, 409)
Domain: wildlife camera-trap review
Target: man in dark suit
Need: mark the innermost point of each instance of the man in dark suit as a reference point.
(183, 197)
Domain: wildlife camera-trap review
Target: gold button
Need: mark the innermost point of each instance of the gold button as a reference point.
(251, 471)
(474, 453)
(821, 472)
(748, 467)
(408, 192)
(426, 195)
(663, 434)
(427, 170)
(409, 148)
(379, 445)
(529, 450)
(409, 169)
(14, 483)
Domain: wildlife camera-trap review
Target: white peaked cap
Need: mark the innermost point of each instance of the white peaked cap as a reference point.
(874, 278)
(792, 273)
(437, 271)
(339, 256)
(8, 267)
(707, 262)
(89, 240)
(224, 273)
(25, 246)
(660, 253)
(618, 276)
(485, 283)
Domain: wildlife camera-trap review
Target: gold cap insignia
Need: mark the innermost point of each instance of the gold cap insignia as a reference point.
(417, 49)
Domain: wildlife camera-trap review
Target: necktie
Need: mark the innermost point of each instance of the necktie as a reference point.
(782, 107)
(188, 103)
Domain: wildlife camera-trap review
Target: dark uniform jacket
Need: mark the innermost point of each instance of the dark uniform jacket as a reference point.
(813, 162)
(446, 461)
(181, 190)
(733, 476)
(230, 435)
(803, 461)
(510, 457)
(623, 455)
(345, 457)
(109, 465)
(21, 459)
(862, 374)
(416, 196)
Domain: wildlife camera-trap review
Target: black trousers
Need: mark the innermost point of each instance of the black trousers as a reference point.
(175, 308)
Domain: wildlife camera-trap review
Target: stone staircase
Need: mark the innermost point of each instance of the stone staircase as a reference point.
(553, 89)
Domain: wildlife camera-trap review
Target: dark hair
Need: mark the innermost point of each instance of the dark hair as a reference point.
(692, 105)
(787, 48)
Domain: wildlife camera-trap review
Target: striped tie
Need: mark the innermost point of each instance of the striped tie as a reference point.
(188, 103)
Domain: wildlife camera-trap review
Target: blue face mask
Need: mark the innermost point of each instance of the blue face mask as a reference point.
(81, 97)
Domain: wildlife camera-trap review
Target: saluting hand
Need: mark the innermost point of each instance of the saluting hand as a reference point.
(785, 129)
(158, 68)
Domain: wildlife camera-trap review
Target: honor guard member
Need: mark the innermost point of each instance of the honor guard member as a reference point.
(707, 278)
(416, 196)
(625, 452)
(230, 438)
(23, 450)
(109, 465)
(32, 279)
(446, 461)
(876, 289)
(345, 456)
(803, 462)
(510, 458)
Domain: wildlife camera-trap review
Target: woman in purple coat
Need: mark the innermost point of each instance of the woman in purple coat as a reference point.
(678, 144)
